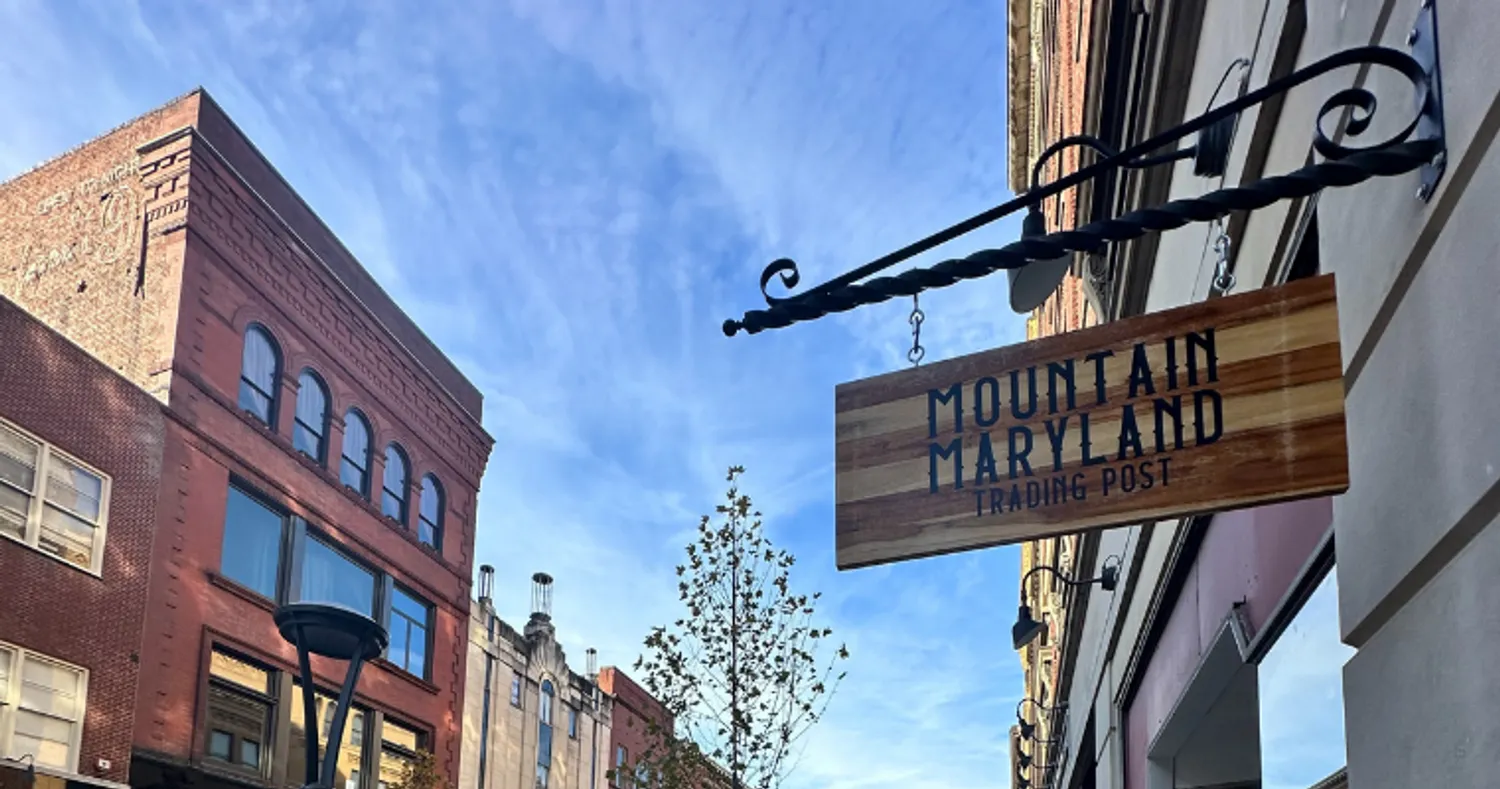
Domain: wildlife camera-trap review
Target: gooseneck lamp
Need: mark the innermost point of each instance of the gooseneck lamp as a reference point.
(336, 633)
(1027, 628)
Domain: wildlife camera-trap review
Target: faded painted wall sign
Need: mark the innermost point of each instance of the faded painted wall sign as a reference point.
(96, 220)
(1213, 406)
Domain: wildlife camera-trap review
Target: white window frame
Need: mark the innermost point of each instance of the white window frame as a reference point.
(32, 536)
(10, 700)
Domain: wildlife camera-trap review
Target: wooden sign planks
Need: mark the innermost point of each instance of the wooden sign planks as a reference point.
(1214, 406)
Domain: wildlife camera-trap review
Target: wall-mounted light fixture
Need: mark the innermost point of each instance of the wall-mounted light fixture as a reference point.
(1027, 628)
(1028, 729)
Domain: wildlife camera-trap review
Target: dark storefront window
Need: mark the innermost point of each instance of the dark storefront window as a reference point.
(1301, 695)
(252, 543)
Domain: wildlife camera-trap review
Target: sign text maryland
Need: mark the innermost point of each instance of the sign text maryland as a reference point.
(1218, 405)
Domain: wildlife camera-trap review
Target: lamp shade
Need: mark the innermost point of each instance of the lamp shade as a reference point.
(1026, 628)
(331, 631)
(1031, 284)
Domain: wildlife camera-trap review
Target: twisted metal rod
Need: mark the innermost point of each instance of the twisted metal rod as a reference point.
(1342, 166)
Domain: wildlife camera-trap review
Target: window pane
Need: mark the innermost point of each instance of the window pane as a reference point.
(572, 722)
(49, 740)
(546, 707)
(74, 489)
(312, 417)
(354, 468)
(393, 766)
(1301, 695)
(430, 524)
(67, 537)
(6, 656)
(408, 645)
(250, 753)
(220, 744)
(541, 776)
(252, 543)
(515, 691)
(393, 497)
(50, 689)
(392, 733)
(329, 577)
(18, 456)
(258, 371)
(349, 754)
(239, 672)
(544, 745)
(14, 506)
(236, 715)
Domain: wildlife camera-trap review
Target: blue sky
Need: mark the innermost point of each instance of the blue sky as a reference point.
(570, 197)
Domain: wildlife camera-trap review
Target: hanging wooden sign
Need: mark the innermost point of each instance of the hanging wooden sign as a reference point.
(1218, 405)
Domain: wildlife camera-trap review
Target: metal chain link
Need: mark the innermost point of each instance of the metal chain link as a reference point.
(1223, 278)
(917, 316)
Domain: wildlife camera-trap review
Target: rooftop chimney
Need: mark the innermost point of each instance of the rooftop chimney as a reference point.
(486, 587)
(592, 663)
(541, 605)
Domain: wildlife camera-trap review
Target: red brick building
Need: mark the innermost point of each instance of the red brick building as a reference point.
(630, 734)
(80, 464)
(316, 446)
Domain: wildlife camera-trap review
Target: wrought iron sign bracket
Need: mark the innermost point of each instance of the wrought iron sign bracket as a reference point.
(1423, 41)
(1420, 145)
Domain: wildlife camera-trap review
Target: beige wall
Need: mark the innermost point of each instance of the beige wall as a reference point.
(512, 751)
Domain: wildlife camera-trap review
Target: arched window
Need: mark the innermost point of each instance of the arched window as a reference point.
(354, 471)
(544, 735)
(393, 494)
(260, 367)
(430, 519)
(310, 429)
(545, 711)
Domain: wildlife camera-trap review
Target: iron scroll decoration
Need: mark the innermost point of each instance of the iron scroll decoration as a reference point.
(1419, 144)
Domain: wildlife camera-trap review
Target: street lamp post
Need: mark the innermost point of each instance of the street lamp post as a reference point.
(336, 633)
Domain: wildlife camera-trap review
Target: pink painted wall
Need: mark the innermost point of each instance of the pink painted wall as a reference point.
(1252, 555)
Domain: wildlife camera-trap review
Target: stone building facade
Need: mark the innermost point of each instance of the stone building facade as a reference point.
(1337, 641)
(80, 467)
(316, 445)
(1049, 54)
(529, 720)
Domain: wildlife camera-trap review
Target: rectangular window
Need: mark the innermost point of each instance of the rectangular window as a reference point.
(41, 708)
(51, 502)
(398, 747)
(253, 534)
(330, 577)
(515, 690)
(620, 776)
(240, 707)
(572, 723)
(411, 621)
(541, 776)
(350, 753)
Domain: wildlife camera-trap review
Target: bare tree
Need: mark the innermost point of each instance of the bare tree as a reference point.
(741, 671)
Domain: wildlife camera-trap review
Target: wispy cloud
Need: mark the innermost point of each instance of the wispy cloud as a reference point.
(569, 198)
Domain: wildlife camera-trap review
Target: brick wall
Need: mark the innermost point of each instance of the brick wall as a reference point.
(634, 710)
(72, 250)
(53, 390)
(153, 247)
